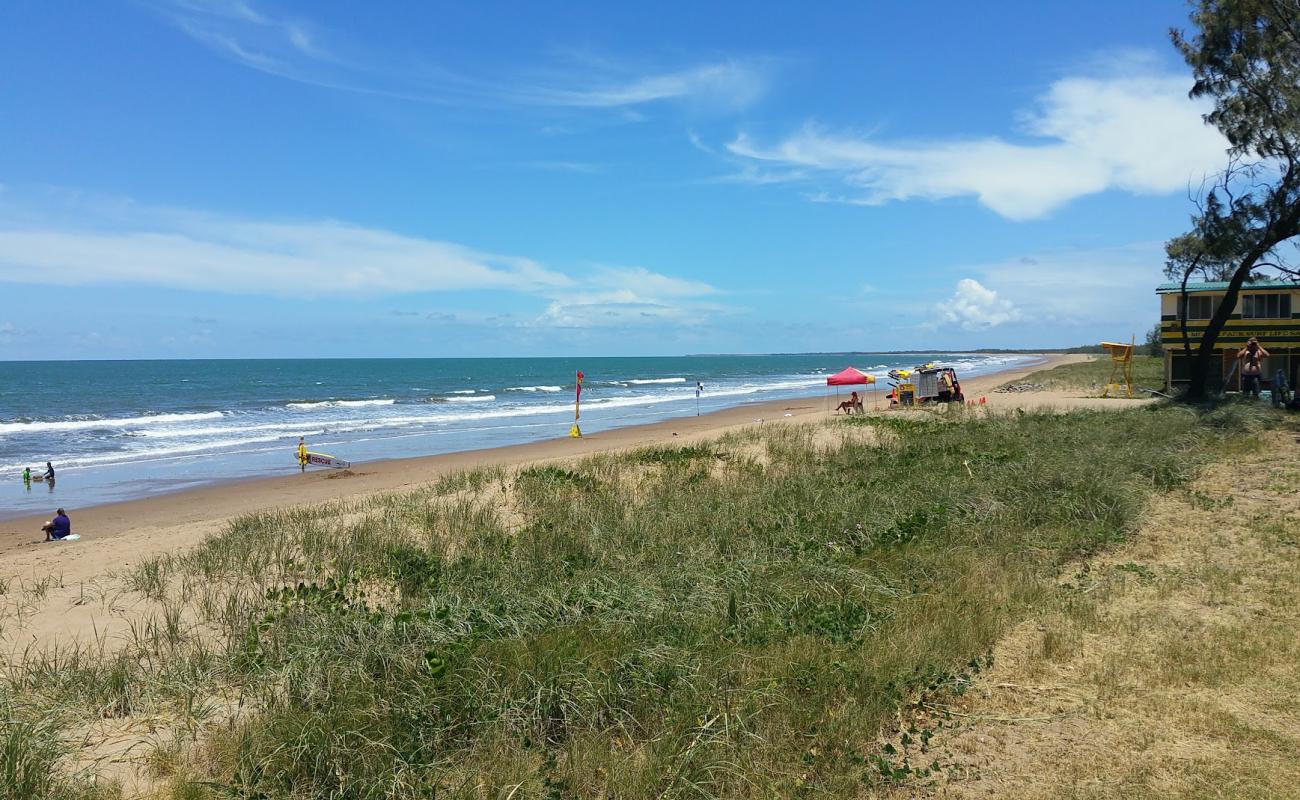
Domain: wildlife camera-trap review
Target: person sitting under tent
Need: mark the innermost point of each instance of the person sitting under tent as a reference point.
(854, 403)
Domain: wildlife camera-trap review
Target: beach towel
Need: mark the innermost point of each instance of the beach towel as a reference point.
(71, 537)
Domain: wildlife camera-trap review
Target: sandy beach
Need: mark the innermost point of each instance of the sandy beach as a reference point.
(115, 537)
(113, 534)
(64, 596)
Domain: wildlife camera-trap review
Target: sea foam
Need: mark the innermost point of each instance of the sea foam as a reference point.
(339, 404)
(37, 426)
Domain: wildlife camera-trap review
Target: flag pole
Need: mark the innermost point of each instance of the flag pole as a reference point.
(575, 432)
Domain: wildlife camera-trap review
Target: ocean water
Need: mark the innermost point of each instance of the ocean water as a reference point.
(119, 430)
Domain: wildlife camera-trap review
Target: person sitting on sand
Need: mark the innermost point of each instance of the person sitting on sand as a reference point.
(57, 528)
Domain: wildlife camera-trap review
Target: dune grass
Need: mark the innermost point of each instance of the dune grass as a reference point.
(1091, 376)
(736, 619)
(1164, 668)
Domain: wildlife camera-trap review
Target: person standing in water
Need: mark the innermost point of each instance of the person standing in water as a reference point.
(27, 477)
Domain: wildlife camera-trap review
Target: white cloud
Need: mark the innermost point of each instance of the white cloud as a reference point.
(626, 297)
(231, 255)
(114, 242)
(1136, 132)
(1107, 286)
(1056, 298)
(975, 307)
(295, 49)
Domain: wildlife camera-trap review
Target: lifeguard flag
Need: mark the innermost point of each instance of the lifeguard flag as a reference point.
(577, 408)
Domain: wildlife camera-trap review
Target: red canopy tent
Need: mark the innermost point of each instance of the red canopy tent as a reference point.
(850, 377)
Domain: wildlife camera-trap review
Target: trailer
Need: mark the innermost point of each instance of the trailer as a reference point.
(937, 385)
(926, 384)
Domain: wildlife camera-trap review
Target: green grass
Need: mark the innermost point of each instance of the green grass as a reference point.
(1091, 376)
(32, 757)
(740, 620)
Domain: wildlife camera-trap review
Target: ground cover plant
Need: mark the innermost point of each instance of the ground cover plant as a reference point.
(737, 619)
(1091, 376)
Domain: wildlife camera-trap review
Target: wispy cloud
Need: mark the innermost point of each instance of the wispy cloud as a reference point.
(650, 283)
(633, 297)
(565, 166)
(300, 50)
(698, 143)
(87, 241)
(728, 84)
(756, 176)
(1137, 132)
(221, 254)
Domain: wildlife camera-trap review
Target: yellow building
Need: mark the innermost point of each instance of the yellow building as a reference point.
(1266, 310)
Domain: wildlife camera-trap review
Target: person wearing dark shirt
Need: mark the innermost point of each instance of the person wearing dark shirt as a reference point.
(49, 472)
(57, 528)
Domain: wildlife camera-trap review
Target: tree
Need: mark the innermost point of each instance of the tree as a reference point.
(1153, 345)
(1246, 57)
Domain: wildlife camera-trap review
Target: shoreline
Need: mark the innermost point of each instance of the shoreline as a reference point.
(221, 424)
(212, 506)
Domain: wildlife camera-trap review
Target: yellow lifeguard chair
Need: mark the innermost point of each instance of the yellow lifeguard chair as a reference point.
(1121, 366)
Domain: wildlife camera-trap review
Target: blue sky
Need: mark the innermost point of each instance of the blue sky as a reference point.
(217, 178)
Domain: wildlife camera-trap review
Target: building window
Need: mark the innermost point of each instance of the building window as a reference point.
(1266, 306)
(1198, 306)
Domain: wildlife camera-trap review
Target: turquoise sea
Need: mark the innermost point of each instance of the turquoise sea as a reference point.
(118, 430)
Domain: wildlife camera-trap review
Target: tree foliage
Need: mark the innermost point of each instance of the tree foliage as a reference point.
(1153, 346)
(1245, 56)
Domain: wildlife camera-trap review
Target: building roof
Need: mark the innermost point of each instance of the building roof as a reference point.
(1220, 286)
